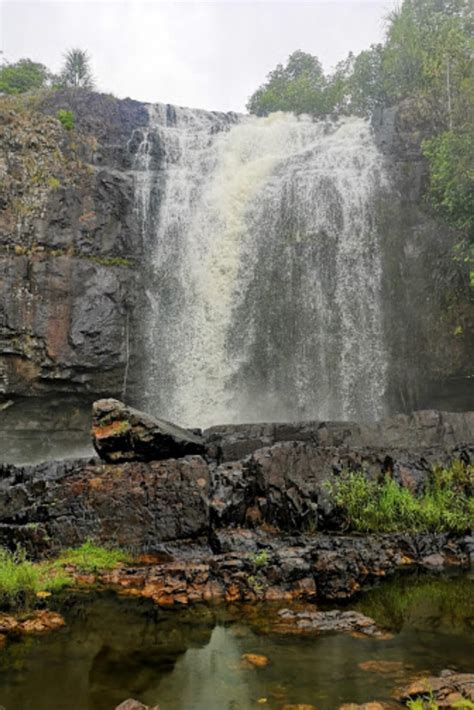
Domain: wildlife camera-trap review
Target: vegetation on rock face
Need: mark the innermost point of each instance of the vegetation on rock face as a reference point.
(36, 159)
(66, 119)
(446, 504)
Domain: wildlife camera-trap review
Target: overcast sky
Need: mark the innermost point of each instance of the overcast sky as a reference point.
(202, 54)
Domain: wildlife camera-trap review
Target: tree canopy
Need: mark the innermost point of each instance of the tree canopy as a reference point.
(298, 86)
(24, 75)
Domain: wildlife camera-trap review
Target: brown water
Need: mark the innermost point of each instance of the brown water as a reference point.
(114, 648)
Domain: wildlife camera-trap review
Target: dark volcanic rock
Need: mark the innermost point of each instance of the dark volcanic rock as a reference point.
(69, 242)
(121, 433)
(421, 429)
(134, 505)
(258, 528)
(287, 567)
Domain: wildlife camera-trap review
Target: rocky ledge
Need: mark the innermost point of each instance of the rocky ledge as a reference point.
(240, 513)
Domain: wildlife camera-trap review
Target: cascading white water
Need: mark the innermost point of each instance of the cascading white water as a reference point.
(266, 289)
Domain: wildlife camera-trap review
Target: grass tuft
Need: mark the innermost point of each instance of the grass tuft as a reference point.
(89, 558)
(446, 504)
(22, 580)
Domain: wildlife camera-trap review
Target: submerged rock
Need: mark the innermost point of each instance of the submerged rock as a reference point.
(131, 704)
(37, 622)
(309, 621)
(256, 660)
(121, 433)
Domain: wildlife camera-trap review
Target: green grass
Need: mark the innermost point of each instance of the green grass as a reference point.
(430, 704)
(89, 558)
(21, 580)
(446, 504)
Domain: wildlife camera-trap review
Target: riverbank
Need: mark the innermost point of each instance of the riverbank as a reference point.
(253, 512)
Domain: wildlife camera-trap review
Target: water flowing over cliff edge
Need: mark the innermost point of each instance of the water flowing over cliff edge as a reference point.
(266, 263)
(212, 267)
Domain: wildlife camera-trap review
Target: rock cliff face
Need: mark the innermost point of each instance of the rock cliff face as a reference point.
(70, 252)
(69, 247)
(429, 306)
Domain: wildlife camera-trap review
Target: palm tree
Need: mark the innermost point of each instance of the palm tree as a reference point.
(76, 72)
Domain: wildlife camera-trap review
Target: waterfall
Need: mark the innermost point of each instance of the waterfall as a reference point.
(266, 272)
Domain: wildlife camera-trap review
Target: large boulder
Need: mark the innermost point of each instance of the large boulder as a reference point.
(121, 433)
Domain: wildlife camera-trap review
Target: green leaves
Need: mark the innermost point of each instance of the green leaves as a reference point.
(76, 72)
(297, 87)
(66, 118)
(24, 75)
(451, 167)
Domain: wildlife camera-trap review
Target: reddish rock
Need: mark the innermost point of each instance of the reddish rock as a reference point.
(442, 689)
(131, 704)
(37, 622)
(256, 660)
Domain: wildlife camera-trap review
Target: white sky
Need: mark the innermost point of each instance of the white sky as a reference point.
(202, 54)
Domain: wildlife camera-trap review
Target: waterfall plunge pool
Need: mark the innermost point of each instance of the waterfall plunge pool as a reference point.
(114, 648)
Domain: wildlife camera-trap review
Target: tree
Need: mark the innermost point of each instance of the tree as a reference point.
(24, 75)
(357, 85)
(298, 87)
(76, 72)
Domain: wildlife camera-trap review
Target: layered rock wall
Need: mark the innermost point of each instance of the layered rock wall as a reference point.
(69, 247)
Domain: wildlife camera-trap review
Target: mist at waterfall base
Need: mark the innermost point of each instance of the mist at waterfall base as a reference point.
(265, 273)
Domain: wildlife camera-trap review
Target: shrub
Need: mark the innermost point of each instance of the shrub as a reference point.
(66, 118)
(446, 505)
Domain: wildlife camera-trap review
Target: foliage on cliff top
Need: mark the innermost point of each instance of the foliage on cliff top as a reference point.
(76, 71)
(24, 75)
(446, 504)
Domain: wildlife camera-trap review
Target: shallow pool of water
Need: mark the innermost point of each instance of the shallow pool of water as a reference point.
(116, 647)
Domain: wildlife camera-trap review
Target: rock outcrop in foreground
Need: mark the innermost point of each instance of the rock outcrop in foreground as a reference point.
(243, 512)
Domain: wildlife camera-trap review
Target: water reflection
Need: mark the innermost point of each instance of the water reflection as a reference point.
(114, 648)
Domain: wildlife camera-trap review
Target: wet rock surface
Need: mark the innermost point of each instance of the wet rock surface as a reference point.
(447, 690)
(131, 704)
(134, 505)
(69, 242)
(261, 527)
(121, 433)
(404, 433)
(310, 621)
(287, 569)
(37, 622)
